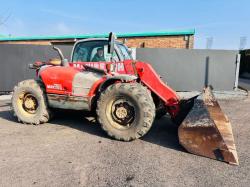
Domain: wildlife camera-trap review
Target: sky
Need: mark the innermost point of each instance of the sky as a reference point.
(225, 21)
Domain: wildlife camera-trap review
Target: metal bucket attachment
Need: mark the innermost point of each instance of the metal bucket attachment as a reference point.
(206, 130)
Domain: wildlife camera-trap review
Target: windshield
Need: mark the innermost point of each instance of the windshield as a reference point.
(92, 51)
(124, 51)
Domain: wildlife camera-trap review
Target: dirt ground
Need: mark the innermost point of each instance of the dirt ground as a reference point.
(72, 150)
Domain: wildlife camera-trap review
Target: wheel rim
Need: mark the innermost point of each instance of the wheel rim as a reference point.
(122, 113)
(27, 103)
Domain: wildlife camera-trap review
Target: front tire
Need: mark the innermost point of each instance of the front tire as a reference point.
(126, 111)
(29, 102)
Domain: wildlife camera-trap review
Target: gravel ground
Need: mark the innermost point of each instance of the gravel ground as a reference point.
(72, 150)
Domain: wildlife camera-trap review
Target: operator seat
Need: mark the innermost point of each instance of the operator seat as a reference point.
(55, 62)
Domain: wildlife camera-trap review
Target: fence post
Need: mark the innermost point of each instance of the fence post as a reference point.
(237, 72)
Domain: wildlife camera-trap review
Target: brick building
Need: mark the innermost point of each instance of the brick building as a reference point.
(167, 39)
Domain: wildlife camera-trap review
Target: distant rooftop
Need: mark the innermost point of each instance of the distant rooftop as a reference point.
(119, 35)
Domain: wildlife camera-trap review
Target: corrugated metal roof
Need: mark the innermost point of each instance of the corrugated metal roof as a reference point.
(119, 35)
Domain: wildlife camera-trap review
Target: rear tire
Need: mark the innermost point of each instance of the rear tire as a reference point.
(126, 111)
(29, 103)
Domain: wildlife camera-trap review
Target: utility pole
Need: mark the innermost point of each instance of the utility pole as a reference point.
(209, 43)
(243, 42)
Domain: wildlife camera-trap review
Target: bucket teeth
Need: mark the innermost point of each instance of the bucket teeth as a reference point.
(206, 131)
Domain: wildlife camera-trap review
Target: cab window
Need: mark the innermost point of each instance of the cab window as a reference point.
(124, 51)
(92, 51)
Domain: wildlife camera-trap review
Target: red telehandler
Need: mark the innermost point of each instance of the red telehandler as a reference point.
(125, 94)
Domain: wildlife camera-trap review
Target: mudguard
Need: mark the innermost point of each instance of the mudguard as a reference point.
(111, 79)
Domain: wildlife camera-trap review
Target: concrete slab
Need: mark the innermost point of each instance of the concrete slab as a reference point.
(5, 97)
(220, 95)
(73, 150)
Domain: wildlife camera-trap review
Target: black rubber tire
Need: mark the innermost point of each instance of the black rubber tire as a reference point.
(144, 110)
(37, 90)
(160, 113)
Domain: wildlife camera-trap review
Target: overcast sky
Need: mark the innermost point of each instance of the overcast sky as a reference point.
(224, 20)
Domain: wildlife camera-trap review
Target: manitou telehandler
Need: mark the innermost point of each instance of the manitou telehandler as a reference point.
(126, 95)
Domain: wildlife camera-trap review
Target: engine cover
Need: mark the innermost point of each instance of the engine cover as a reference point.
(83, 81)
(67, 87)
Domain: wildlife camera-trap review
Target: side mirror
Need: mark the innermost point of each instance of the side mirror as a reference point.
(111, 45)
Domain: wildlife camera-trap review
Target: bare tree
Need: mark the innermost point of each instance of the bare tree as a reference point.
(4, 19)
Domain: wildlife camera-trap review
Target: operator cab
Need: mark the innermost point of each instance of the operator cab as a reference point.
(97, 50)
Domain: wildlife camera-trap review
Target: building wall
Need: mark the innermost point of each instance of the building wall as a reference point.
(160, 42)
(179, 41)
(37, 42)
(183, 70)
(192, 70)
